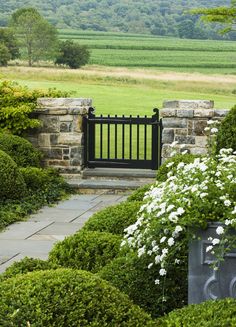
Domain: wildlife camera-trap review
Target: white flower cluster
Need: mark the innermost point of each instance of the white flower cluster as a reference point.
(173, 206)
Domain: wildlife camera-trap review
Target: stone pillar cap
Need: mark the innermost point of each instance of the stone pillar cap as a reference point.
(63, 102)
(188, 104)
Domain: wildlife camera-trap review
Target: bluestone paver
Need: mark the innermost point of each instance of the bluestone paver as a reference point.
(36, 237)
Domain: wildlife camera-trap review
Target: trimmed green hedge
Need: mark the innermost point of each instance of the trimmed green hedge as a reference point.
(226, 137)
(11, 179)
(220, 313)
(131, 275)
(138, 194)
(26, 265)
(171, 164)
(21, 150)
(65, 297)
(114, 219)
(86, 250)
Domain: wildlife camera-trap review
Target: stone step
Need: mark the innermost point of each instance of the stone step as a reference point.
(142, 175)
(121, 186)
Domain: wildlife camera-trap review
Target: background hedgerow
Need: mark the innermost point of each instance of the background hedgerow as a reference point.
(66, 297)
(87, 250)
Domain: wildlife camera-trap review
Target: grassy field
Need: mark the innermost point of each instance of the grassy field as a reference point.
(121, 91)
(131, 50)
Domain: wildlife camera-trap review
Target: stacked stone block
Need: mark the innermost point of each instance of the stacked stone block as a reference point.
(61, 135)
(184, 122)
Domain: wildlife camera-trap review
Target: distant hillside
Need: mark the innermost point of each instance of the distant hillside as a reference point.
(157, 17)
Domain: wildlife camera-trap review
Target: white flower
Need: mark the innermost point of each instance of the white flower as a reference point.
(219, 230)
(210, 122)
(180, 211)
(163, 239)
(215, 241)
(228, 222)
(141, 251)
(178, 229)
(162, 272)
(206, 129)
(214, 130)
(177, 261)
(170, 207)
(209, 248)
(157, 281)
(169, 164)
(150, 265)
(210, 238)
(234, 211)
(157, 259)
(227, 203)
(203, 195)
(171, 241)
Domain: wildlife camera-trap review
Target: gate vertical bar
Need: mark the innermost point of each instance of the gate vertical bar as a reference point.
(155, 146)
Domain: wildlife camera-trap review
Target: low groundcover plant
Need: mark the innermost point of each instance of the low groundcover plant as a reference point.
(197, 193)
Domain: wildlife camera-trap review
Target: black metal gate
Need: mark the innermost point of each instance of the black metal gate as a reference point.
(123, 142)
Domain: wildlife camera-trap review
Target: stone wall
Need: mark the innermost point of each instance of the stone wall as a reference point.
(184, 122)
(61, 134)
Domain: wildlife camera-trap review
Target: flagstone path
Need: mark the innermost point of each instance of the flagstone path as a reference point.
(36, 236)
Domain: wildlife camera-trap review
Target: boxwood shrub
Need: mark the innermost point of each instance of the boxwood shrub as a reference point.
(66, 297)
(114, 219)
(171, 164)
(138, 194)
(130, 274)
(226, 137)
(12, 182)
(220, 313)
(21, 150)
(26, 265)
(86, 250)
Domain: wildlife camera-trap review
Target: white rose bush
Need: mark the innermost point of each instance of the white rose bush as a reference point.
(194, 195)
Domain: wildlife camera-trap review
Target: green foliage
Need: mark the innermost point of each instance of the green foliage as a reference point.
(66, 297)
(12, 182)
(222, 15)
(220, 313)
(131, 275)
(114, 219)
(50, 188)
(133, 16)
(5, 55)
(38, 38)
(17, 104)
(171, 165)
(138, 194)
(20, 150)
(8, 39)
(47, 182)
(72, 55)
(86, 250)
(226, 137)
(26, 265)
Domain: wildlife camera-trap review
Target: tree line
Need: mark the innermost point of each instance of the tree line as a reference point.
(157, 17)
(31, 36)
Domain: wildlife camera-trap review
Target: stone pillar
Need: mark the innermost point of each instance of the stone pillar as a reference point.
(184, 122)
(61, 136)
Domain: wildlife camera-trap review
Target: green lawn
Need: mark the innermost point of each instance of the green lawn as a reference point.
(129, 99)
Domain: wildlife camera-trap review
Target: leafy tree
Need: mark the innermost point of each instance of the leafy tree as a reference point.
(8, 39)
(223, 15)
(5, 55)
(38, 38)
(72, 54)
